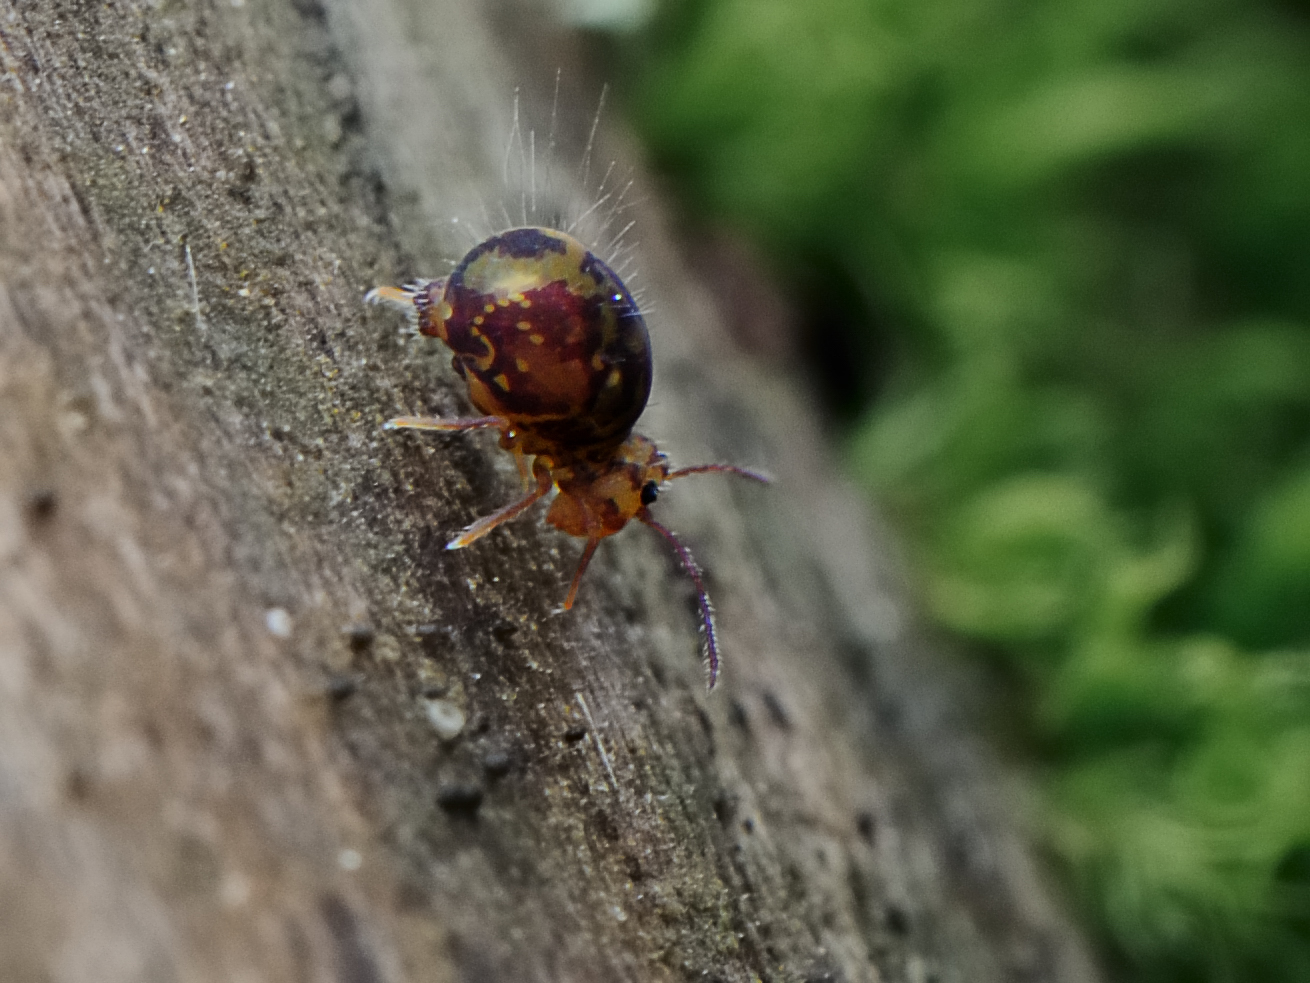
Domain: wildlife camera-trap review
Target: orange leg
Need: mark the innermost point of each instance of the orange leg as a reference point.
(397, 297)
(405, 298)
(489, 522)
(582, 566)
(436, 423)
(525, 472)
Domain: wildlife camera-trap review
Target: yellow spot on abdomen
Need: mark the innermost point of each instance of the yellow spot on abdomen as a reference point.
(489, 308)
(502, 380)
(597, 362)
(615, 377)
(537, 339)
(522, 364)
(524, 325)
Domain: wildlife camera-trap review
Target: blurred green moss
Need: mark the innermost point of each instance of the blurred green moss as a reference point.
(1083, 229)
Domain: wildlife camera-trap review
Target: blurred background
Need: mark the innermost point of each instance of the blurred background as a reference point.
(1048, 264)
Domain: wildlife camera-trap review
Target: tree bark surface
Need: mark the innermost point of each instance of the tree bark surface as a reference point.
(256, 724)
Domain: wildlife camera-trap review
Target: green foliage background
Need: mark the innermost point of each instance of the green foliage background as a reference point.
(1083, 229)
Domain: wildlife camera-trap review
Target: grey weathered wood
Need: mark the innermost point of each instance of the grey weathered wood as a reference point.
(204, 777)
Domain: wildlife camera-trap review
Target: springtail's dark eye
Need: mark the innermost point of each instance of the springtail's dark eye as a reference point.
(649, 492)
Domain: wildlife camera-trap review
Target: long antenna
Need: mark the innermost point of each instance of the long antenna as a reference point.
(710, 640)
(715, 468)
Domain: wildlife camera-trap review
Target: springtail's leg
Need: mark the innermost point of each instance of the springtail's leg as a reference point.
(449, 426)
(582, 566)
(525, 470)
(404, 298)
(487, 523)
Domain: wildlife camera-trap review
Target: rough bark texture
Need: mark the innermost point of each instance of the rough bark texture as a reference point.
(205, 776)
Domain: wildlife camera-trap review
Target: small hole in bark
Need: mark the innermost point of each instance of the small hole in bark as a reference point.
(360, 636)
(497, 763)
(460, 798)
(41, 504)
(723, 807)
(898, 920)
(633, 867)
(867, 826)
(341, 687)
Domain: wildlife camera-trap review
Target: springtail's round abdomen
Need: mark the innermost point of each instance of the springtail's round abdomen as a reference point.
(548, 337)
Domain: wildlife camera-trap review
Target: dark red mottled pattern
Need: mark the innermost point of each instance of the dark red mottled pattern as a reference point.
(547, 367)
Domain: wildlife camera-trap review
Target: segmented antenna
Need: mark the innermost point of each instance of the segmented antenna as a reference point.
(710, 640)
(718, 468)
